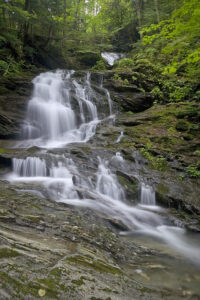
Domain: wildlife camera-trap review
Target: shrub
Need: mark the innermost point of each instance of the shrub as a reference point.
(179, 94)
(3, 66)
(157, 93)
(100, 66)
(126, 63)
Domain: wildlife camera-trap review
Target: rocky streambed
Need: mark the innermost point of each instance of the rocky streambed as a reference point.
(55, 250)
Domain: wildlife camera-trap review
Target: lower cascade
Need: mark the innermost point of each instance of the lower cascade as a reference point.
(63, 111)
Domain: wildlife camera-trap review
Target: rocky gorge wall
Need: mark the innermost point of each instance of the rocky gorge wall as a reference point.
(54, 250)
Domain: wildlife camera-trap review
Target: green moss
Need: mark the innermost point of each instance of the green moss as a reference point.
(97, 265)
(158, 163)
(2, 151)
(4, 212)
(18, 286)
(78, 282)
(7, 253)
(34, 219)
(182, 125)
(163, 189)
(56, 272)
(50, 285)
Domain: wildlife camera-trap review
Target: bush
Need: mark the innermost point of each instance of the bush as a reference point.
(157, 93)
(100, 66)
(126, 63)
(179, 94)
(3, 66)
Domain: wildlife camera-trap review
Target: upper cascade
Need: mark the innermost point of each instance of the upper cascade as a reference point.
(111, 57)
(61, 110)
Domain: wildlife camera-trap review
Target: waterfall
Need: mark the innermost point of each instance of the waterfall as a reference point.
(111, 57)
(51, 120)
(107, 183)
(120, 137)
(29, 167)
(147, 195)
(64, 110)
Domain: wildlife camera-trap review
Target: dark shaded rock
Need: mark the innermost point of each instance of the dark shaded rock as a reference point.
(135, 102)
(88, 58)
(5, 161)
(13, 103)
(130, 184)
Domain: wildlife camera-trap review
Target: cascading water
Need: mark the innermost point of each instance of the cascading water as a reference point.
(147, 195)
(111, 57)
(63, 111)
(120, 137)
(30, 167)
(51, 121)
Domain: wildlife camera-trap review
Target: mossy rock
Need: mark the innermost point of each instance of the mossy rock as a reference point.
(182, 125)
(8, 253)
(88, 58)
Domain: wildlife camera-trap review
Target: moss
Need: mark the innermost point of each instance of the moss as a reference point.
(157, 163)
(2, 151)
(78, 282)
(18, 287)
(97, 265)
(7, 253)
(50, 285)
(34, 219)
(107, 290)
(182, 125)
(163, 189)
(4, 212)
(56, 272)
(4, 91)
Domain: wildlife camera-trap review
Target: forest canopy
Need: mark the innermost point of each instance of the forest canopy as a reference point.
(38, 31)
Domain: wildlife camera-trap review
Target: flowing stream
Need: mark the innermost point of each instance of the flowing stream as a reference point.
(66, 110)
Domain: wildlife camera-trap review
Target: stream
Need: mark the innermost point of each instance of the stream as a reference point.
(63, 110)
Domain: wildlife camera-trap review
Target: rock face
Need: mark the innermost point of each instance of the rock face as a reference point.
(53, 250)
(129, 101)
(14, 94)
(127, 94)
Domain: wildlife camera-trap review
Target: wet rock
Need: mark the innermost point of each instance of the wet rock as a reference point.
(130, 184)
(13, 104)
(88, 58)
(4, 161)
(134, 102)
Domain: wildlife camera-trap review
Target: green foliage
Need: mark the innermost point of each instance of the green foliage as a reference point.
(194, 169)
(157, 93)
(126, 63)
(3, 66)
(117, 77)
(100, 66)
(157, 163)
(179, 94)
(180, 42)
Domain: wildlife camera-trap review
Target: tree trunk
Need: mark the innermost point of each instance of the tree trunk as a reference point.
(64, 19)
(26, 24)
(157, 11)
(138, 6)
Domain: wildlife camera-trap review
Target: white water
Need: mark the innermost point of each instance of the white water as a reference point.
(29, 167)
(120, 137)
(52, 121)
(111, 57)
(147, 195)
